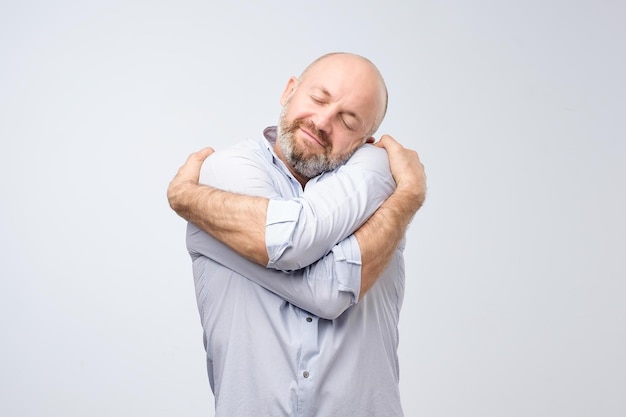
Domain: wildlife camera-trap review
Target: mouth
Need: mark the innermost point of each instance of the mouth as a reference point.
(312, 138)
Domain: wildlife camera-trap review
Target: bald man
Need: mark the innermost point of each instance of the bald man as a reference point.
(296, 241)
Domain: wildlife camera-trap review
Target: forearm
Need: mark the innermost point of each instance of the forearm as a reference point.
(235, 219)
(326, 288)
(380, 235)
(332, 207)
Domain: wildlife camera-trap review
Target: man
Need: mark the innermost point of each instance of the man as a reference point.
(300, 277)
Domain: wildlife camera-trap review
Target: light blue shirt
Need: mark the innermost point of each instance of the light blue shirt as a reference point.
(293, 339)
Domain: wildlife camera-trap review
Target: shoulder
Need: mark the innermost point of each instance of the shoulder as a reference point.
(368, 167)
(247, 149)
(238, 162)
(369, 158)
(247, 152)
(371, 150)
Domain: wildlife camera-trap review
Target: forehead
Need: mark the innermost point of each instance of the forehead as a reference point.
(351, 80)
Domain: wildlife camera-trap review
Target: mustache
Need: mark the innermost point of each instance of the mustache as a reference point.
(310, 126)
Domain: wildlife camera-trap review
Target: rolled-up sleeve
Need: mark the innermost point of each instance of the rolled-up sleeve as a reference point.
(314, 261)
(325, 288)
(282, 218)
(300, 231)
(347, 257)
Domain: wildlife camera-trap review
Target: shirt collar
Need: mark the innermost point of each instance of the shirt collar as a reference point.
(270, 133)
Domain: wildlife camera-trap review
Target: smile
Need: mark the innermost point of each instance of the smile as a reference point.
(312, 138)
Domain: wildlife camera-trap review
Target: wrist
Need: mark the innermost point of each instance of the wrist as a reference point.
(181, 197)
(413, 195)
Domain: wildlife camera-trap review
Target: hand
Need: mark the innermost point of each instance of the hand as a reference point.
(406, 168)
(186, 178)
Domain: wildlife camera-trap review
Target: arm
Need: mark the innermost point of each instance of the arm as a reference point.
(286, 234)
(390, 221)
(239, 220)
(333, 206)
(233, 218)
(326, 298)
(326, 288)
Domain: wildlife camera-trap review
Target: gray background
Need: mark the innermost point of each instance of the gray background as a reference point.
(516, 264)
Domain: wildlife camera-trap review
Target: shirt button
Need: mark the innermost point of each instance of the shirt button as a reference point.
(309, 319)
(305, 374)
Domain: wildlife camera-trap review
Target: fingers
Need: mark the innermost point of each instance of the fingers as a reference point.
(406, 167)
(387, 142)
(201, 155)
(194, 162)
(395, 148)
(188, 174)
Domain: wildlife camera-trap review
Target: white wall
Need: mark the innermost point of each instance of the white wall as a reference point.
(516, 264)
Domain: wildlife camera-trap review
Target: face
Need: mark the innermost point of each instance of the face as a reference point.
(328, 114)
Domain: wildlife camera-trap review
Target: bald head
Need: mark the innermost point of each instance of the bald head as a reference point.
(334, 107)
(364, 75)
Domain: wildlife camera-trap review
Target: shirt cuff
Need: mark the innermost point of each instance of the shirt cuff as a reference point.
(282, 217)
(347, 256)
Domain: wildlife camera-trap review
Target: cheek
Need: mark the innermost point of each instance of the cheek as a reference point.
(300, 108)
(343, 145)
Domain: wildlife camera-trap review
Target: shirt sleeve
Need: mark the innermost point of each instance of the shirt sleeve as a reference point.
(332, 207)
(325, 288)
(322, 288)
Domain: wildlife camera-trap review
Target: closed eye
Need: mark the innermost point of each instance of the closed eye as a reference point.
(345, 122)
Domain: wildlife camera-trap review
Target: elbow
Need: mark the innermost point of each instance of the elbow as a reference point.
(294, 256)
(290, 261)
(332, 306)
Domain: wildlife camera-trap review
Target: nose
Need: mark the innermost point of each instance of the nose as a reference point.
(323, 120)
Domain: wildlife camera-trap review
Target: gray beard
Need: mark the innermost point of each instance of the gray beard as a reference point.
(308, 166)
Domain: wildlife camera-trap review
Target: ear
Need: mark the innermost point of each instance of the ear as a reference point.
(289, 89)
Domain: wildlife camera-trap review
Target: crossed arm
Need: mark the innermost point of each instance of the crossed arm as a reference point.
(239, 221)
